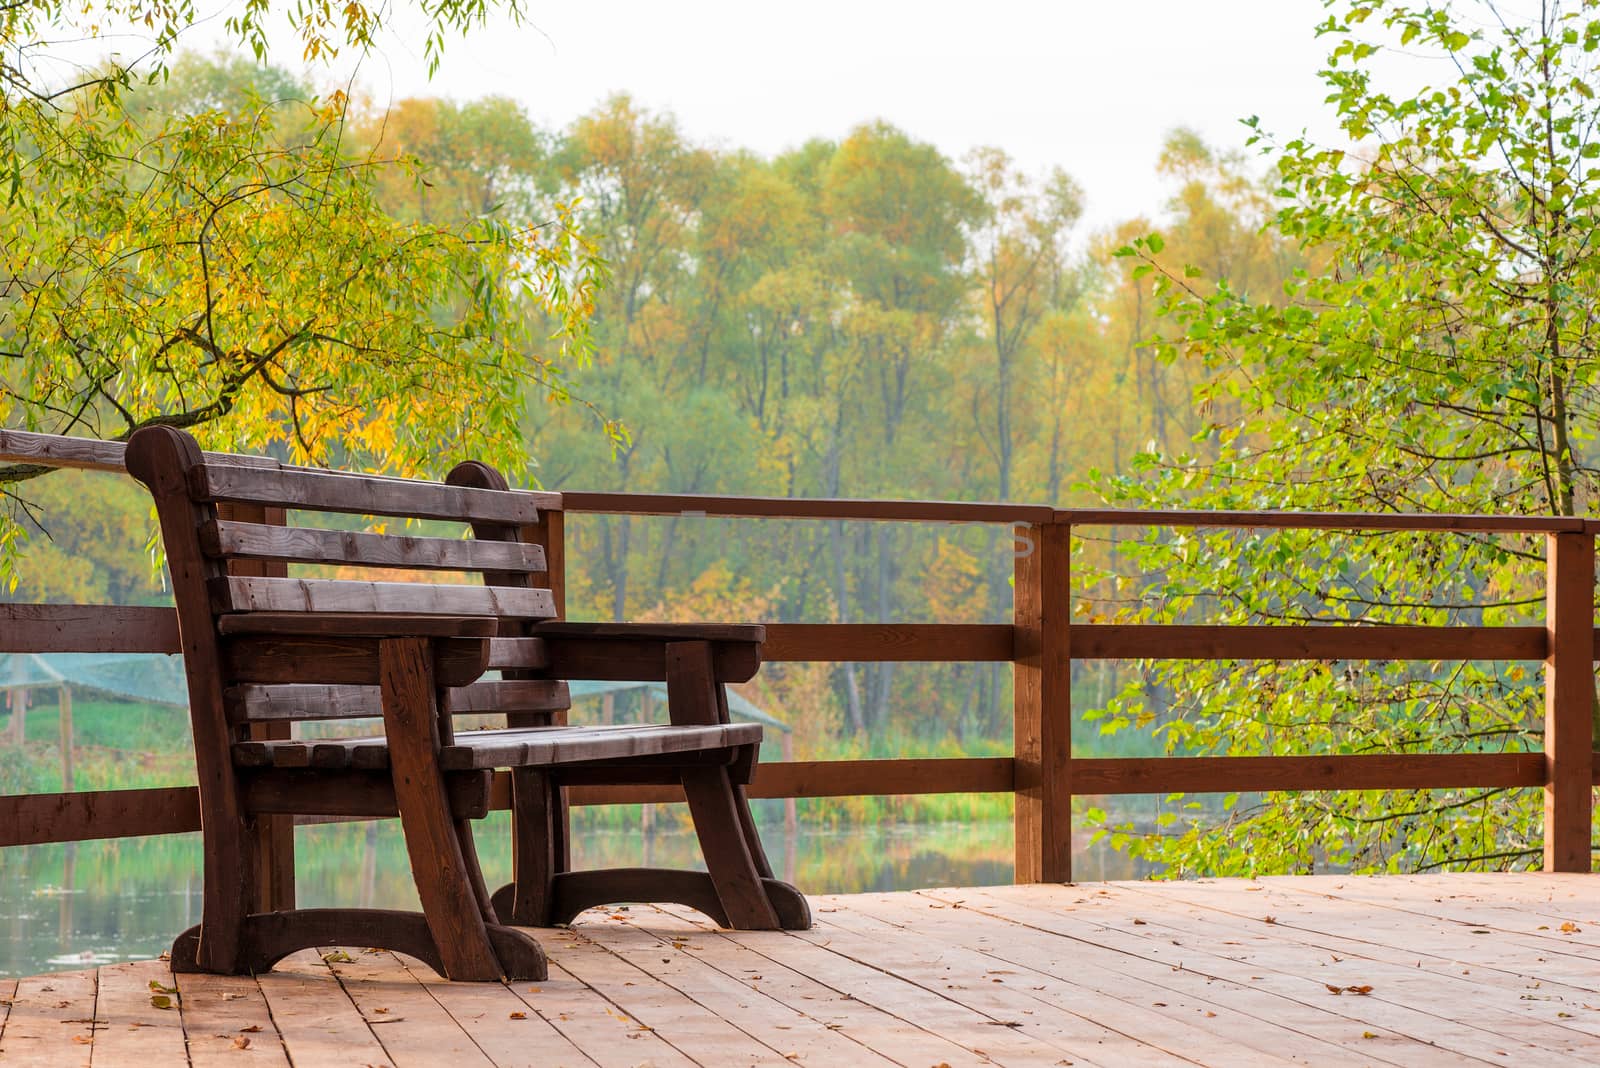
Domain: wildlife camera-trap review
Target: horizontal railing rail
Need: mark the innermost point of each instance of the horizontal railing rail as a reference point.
(1041, 643)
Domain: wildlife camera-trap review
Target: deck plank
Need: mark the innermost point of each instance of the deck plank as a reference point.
(130, 1031)
(698, 1034)
(320, 1026)
(218, 1011)
(1529, 925)
(681, 965)
(1463, 970)
(510, 1032)
(1434, 977)
(1289, 985)
(51, 1021)
(414, 1028)
(590, 1022)
(927, 1002)
(1459, 943)
(992, 969)
(868, 1025)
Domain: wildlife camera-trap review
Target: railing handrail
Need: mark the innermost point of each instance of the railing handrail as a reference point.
(1041, 643)
(92, 454)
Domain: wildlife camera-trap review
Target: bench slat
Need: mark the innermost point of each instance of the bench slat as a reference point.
(250, 594)
(313, 701)
(515, 747)
(259, 541)
(338, 624)
(339, 491)
(510, 695)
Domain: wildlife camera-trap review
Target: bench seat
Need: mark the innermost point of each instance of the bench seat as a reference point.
(517, 747)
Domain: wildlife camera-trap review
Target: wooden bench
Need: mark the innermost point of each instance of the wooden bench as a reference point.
(263, 650)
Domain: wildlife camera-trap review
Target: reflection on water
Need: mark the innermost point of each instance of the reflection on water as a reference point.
(77, 905)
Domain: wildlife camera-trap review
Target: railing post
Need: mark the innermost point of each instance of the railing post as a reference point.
(275, 890)
(1042, 708)
(550, 532)
(1569, 698)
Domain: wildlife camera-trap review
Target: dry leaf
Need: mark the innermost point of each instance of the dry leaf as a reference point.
(1368, 1034)
(1333, 989)
(82, 1040)
(519, 1016)
(252, 1029)
(241, 1042)
(228, 995)
(338, 956)
(1570, 928)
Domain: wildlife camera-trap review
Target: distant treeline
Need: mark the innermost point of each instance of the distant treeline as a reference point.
(859, 318)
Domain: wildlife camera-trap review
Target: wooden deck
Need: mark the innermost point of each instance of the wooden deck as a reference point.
(1435, 970)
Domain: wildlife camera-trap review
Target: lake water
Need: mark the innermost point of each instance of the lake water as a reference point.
(76, 905)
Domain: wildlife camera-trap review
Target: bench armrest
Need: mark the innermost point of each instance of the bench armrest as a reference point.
(637, 652)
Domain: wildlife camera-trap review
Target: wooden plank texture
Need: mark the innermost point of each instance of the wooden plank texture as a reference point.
(398, 598)
(1042, 707)
(341, 491)
(91, 628)
(700, 506)
(1377, 771)
(1420, 972)
(130, 1031)
(260, 541)
(1155, 517)
(1569, 708)
(948, 643)
(1107, 641)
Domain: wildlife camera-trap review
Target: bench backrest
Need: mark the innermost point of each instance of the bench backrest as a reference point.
(262, 645)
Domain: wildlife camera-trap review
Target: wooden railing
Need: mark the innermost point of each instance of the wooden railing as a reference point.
(1041, 643)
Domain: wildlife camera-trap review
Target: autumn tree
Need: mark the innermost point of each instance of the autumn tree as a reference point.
(226, 265)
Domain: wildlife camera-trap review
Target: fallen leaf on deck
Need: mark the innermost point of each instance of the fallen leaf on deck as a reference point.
(252, 1029)
(228, 995)
(82, 1040)
(1570, 928)
(338, 956)
(1269, 919)
(519, 1016)
(160, 1001)
(241, 1042)
(1368, 1034)
(159, 989)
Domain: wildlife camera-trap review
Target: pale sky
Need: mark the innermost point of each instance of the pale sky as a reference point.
(1088, 86)
(1091, 86)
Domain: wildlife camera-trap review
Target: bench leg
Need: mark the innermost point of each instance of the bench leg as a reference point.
(538, 848)
(718, 822)
(231, 867)
(445, 872)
